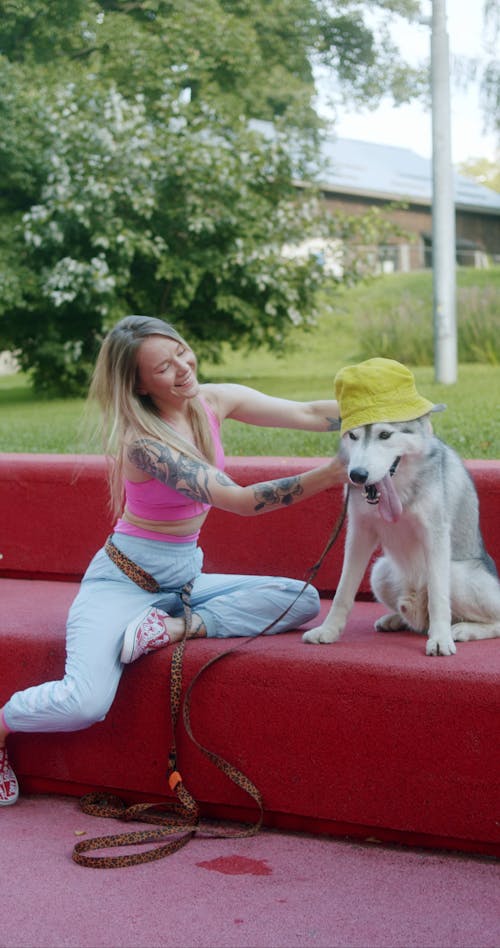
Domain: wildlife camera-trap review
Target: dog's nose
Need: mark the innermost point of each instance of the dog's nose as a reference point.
(358, 475)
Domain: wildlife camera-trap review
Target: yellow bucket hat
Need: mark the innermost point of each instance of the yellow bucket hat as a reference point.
(378, 390)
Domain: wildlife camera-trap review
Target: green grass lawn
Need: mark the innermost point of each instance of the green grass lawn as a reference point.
(471, 423)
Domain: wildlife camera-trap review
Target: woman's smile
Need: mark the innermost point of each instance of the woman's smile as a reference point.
(166, 370)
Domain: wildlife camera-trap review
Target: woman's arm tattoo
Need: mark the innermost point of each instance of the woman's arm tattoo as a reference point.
(333, 424)
(224, 479)
(190, 477)
(182, 473)
(277, 493)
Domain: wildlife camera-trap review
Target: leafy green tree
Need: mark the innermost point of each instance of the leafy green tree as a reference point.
(255, 56)
(482, 170)
(134, 182)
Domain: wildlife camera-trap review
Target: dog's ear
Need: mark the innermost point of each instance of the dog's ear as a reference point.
(428, 425)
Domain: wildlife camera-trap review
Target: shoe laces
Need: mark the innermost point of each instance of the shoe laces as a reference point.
(153, 625)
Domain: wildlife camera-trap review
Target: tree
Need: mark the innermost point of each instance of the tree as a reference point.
(134, 181)
(482, 170)
(490, 73)
(485, 69)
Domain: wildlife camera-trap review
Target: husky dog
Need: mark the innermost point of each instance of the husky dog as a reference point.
(410, 494)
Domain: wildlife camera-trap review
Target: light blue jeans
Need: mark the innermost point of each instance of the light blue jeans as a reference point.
(229, 605)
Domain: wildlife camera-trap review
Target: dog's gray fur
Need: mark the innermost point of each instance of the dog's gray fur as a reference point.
(435, 574)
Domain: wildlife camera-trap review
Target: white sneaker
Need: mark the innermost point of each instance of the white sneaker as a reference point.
(144, 634)
(9, 787)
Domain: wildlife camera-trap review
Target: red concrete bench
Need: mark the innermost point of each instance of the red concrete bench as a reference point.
(367, 738)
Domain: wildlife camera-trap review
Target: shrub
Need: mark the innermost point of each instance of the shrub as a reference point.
(402, 328)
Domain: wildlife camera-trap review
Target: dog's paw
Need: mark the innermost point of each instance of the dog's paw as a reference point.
(391, 623)
(321, 635)
(440, 645)
(465, 631)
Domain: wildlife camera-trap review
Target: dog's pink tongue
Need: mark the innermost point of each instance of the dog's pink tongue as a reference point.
(389, 504)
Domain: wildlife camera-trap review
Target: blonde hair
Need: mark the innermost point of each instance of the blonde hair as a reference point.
(127, 415)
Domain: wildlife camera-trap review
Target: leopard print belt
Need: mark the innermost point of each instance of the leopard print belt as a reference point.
(136, 573)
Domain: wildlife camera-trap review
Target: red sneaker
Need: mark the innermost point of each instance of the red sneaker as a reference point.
(9, 787)
(144, 634)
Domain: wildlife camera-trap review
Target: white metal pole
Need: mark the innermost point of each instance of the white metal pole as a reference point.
(443, 204)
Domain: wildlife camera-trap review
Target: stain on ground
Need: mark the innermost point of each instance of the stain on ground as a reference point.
(237, 866)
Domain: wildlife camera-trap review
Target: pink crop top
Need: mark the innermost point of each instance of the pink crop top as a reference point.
(152, 500)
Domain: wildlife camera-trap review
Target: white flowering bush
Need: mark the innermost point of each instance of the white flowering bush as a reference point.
(179, 216)
(80, 239)
(132, 182)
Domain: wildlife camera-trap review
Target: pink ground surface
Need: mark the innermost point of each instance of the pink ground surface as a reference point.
(272, 890)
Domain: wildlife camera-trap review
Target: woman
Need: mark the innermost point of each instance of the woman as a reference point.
(162, 428)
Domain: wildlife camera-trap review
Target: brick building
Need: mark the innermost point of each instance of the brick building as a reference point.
(357, 175)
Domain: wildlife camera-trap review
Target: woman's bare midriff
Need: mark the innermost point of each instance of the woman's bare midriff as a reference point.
(176, 528)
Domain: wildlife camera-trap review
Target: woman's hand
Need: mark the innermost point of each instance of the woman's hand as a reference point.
(337, 471)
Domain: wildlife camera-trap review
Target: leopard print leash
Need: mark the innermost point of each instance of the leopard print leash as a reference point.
(179, 818)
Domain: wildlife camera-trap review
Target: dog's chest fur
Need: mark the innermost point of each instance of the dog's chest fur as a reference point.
(403, 540)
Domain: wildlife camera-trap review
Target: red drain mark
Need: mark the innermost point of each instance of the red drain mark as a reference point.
(237, 866)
